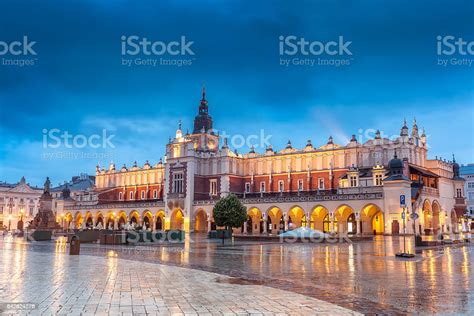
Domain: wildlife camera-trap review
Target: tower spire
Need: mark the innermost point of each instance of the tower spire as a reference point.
(202, 120)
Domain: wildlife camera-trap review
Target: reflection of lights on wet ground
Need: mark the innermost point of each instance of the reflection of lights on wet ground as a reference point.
(111, 254)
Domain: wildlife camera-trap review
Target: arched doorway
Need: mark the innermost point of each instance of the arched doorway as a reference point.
(134, 218)
(89, 222)
(342, 215)
(177, 220)
(99, 221)
(351, 224)
(200, 221)
(160, 220)
(255, 225)
(110, 221)
(318, 216)
(327, 224)
(121, 220)
(295, 217)
(67, 221)
(427, 218)
(79, 219)
(435, 208)
(372, 220)
(274, 219)
(147, 219)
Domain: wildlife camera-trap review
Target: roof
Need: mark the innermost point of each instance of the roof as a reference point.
(423, 171)
(467, 169)
(77, 185)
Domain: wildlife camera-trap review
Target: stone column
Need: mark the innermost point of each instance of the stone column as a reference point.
(245, 228)
(209, 224)
(332, 225)
(265, 228)
(308, 221)
(359, 230)
(286, 223)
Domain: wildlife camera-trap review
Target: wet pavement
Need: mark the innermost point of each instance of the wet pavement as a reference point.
(364, 276)
(59, 284)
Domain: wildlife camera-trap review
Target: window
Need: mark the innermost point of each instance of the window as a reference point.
(300, 185)
(31, 210)
(1, 209)
(470, 185)
(471, 196)
(281, 186)
(143, 195)
(262, 186)
(321, 184)
(378, 179)
(247, 187)
(178, 180)
(120, 196)
(131, 195)
(458, 193)
(353, 181)
(155, 194)
(213, 187)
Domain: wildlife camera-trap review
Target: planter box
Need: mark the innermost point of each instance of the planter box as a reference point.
(174, 235)
(113, 239)
(218, 234)
(40, 235)
(86, 236)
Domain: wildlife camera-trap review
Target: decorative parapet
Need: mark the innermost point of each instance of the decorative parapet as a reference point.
(118, 205)
(314, 198)
(430, 191)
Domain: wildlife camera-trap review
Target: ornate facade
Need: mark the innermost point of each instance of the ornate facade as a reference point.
(353, 187)
(19, 203)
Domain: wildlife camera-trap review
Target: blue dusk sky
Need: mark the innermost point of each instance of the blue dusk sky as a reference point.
(78, 82)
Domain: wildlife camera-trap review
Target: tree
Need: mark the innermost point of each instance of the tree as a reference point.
(229, 212)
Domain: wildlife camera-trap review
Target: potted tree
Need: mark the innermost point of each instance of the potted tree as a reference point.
(229, 213)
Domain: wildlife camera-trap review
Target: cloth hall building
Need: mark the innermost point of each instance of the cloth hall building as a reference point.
(350, 188)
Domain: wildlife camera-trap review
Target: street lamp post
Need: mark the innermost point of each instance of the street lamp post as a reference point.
(404, 254)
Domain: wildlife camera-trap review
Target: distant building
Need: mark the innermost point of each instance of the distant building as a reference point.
(19, 204)
(79, 189)
(467, 172)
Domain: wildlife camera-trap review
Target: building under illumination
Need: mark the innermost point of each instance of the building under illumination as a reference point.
(353, 187)
(19, 204)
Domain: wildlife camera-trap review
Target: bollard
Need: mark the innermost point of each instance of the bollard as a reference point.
(75, 246)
